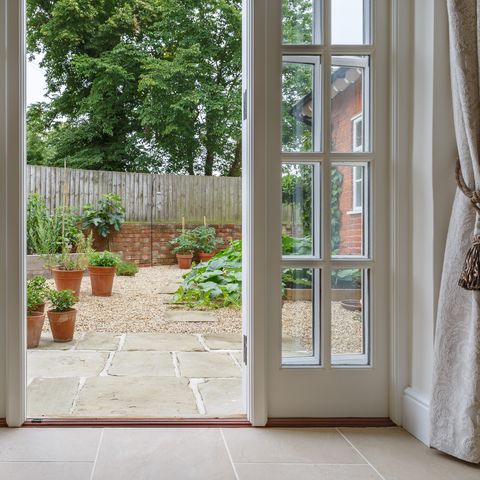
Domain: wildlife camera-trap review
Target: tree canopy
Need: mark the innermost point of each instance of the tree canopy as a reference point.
(137, 85)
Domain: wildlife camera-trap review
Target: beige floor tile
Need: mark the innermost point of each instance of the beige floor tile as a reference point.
(47, 343)
(399, 456)
(207, 364)
(278, 471)
(48, 444)
(51, 397)
(98, 341)
(163, 342)
(153, 454)
(278, 445)
(46, 470)
(142, 364)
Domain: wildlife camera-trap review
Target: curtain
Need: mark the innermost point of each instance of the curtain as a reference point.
(455, 403)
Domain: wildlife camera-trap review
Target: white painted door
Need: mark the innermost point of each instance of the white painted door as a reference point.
(317, 146)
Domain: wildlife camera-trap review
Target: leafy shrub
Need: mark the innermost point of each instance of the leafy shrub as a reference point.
(62, 300)
(297, 278)
(103, 259)
(205, 239)
(107, 215)
(297, 246)
(347, 278)
(185, 243)
(127, 269)
(216, 283)
(66, 260)
(37, 292)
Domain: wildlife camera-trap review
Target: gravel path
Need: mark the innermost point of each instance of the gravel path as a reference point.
(139, 303)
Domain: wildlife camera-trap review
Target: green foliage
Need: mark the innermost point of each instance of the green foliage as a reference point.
(297, 21)
(216, 283)
(62, 300)
(83, 246)
(297, 246)
(205, 239)
(103, 259)
(37, 292)
(139, 85)
(297, 278)
(39, 149)
(185, 243)
(347, 278)
(335, 193)
(107, 215)
(127, 269)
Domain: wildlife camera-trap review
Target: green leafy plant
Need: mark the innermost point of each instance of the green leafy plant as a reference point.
(335, 193)
(68, 260)
(37, 292)
(347, 278)
(127, 269)
(103, 259)
(299, 278)
(216, 283)
(185, 243)
(205, 239)
(297, 246)
(107, 215)
(62, 300)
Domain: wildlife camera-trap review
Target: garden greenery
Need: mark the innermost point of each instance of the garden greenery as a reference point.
(37, 292)
(185, 243)
(127, 269)
(62, 300)
(103, 259)
(205, 239)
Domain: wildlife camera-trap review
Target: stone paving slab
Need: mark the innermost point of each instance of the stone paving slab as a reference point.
(165, 342)
(238, 357)
(142, 364)
(51, 397)
(207, 364)
(51, 363)
(47, 343)
(189, 316)
(232, 341)
(222, 397)
(98, 341)
(136, 397)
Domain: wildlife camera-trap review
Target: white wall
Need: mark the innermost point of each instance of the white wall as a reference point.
(432, 189)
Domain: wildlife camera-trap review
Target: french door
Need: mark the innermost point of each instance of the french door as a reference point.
(316, 123)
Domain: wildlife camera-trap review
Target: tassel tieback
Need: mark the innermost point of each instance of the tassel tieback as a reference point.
(470, 276)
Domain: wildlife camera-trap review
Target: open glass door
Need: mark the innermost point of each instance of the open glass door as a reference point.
(326, 223)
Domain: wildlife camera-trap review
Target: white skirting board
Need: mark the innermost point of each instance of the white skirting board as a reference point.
(416, 415)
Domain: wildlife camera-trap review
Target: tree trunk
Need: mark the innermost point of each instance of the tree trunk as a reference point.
(235, 169)
(209, 159)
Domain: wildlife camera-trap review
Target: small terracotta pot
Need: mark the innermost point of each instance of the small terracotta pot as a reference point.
(184, 260)
(35, 322)
(205, 257)
(39, 308)
(101, 279)
(62, 325)
(68, 280)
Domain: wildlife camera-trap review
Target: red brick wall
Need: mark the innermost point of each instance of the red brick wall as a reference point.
(146, 244)
(345, 106)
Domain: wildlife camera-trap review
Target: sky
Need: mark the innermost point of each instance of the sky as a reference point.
(347, 28)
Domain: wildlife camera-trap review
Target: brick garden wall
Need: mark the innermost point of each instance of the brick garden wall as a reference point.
(146, 244)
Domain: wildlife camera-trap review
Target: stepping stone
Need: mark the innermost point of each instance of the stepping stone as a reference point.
(227, 341)
(47, 343)
(189, 316)
(207, 364)
(98, 341)
(51, 363)
(222, 397)
(51, 397)
(164, 342)
(142, 364)
(136, 397)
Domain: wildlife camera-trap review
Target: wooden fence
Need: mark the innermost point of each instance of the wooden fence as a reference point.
(146, 197)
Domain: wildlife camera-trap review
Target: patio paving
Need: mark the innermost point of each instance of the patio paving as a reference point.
(136, 375)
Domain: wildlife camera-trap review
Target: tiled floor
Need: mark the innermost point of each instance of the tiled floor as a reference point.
(223, 454)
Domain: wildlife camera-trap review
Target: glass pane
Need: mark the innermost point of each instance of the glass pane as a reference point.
(349, 327)
(350, 22)
(349, 209)
(349, 105)
(300, 22)
(300, 104)
(298, 312)
(297, 209)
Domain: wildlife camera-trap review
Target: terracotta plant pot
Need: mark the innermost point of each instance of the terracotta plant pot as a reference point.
(184, 260)
(62, 325)
(39, 308)
(101, 279)
(68, 280)
(205, 257)
(35, 322)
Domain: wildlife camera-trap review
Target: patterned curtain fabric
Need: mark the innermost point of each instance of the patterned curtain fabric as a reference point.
(455, 403)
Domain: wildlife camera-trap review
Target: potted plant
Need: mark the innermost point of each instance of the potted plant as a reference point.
(206, 242)
(67, 268)
(36, 292)
(102, 266)
(185, 247)
(62, 316)
(127, 269)
(297, 284)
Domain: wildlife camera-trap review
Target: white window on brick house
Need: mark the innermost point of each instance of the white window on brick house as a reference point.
(357, 133)
(357, 194)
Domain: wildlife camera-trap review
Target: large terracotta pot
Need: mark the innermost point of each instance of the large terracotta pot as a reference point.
(62, 325)
(39, 308)
(101, 279)
(35, 322)
(184, 260)
(68, 280)
(205, 257)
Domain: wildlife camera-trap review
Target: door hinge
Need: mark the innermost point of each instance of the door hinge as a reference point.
(245, 349)
(245, 105)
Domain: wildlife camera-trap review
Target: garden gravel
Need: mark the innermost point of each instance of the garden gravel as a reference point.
(138, 305)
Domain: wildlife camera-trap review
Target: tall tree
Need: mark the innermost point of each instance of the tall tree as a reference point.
(141, 85)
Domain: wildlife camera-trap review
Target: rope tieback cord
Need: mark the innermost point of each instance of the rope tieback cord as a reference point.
(470, 275)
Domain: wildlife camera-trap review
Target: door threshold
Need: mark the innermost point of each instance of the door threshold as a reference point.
(330, 422)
